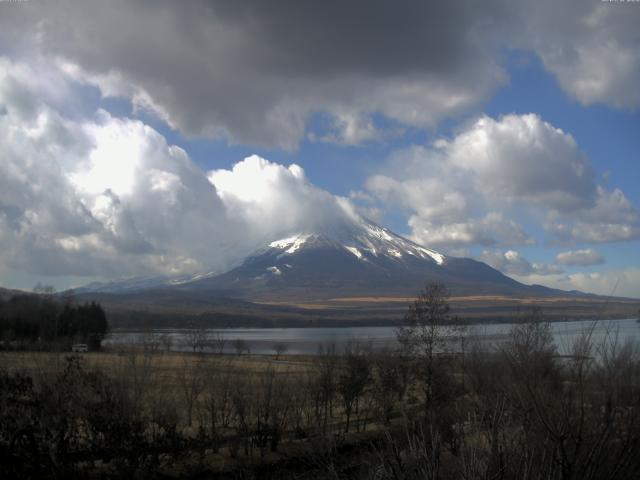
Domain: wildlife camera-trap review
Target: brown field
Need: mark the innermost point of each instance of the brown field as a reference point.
(478, 308)
(471, 298)
(167, 366)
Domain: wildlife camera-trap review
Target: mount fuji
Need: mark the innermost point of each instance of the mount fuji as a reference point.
(349, 271)
(353, 257)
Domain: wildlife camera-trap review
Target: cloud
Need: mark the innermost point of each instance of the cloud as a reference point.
(82, 197)
(583, 258)
(522, 158)
(513, 263)
(613, 218)
(274, 200)
(493, 229)
(349, 128)
(591, 48)
(616, 282)
(623, 282)
(466, 190)
(254, 72)
(109, 197)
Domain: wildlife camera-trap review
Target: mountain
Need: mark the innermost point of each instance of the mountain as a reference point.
(137, 284)
(349, 259)
(347, 272)
(6, 293)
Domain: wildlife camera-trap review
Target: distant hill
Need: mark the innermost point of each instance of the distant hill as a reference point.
(6, 293)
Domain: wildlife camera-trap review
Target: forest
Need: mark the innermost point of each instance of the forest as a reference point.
(46, 322)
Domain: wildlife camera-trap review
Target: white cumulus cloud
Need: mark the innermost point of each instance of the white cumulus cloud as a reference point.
(584, 257)
(102, 196)
(617, 282)
(474, 188)
(512, 262)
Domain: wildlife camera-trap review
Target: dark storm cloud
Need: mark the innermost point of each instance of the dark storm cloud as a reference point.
(255, 71)
(363, 37)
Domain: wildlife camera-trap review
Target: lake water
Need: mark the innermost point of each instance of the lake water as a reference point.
(300, 341)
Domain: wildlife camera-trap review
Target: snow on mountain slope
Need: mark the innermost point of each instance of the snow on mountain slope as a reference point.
(364, 240)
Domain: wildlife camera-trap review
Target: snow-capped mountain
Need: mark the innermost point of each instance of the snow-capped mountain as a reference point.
(338, 271)
(350, 258)
(364, 240)
(342, 272)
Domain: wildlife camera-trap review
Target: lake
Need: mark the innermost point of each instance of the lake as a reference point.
(300, 341)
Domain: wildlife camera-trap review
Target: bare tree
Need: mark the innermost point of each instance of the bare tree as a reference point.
(197, 339)
(217, 342)
(46, 290)
(279, 349)
(354, 377)
(430, 331)
(192, 383)
(166, 341)
(324, 386)
(217, 404)
(136, 377)
(272, 404)
(388, 384)
(240, 346)
(150, 342)
(243, 402)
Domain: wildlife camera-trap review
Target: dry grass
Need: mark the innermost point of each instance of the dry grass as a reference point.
(164, 364)
(477, 298)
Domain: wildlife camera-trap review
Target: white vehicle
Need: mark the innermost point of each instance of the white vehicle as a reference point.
(79, 347)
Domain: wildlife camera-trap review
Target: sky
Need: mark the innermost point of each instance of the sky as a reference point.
(172, 138)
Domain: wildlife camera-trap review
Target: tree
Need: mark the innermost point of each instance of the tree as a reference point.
(325, 384)
(240, 346)
(353, 379)
(166, 341)
(279, 349)
(429, 330)
(192, 383)
(217, 401)
(218, 342)
(88, 322)
(389, 381)
(197, 339)
(422, 335)
(45, 290)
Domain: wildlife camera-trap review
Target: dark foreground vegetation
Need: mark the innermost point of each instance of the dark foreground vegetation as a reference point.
(439, 407)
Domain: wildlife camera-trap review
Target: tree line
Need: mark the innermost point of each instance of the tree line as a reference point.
(44, 318)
